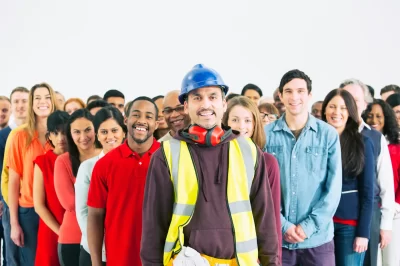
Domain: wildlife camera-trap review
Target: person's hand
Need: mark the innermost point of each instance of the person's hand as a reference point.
(17, 235)
(360, 244)
(300, 232)
(385, 237)
(291, 236)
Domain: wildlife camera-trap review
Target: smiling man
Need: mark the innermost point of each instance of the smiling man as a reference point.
(207, 192)
(117, 187)
(174, 114)
(309, 156)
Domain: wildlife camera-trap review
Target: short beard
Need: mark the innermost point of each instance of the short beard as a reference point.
(3, 125)
(141, 141)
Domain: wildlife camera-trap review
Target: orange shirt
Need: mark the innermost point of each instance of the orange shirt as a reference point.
(20, 159)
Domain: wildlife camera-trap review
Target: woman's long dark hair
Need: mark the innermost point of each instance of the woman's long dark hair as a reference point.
(390, 129)
(72, 148)
(106, 113)
(351, 141)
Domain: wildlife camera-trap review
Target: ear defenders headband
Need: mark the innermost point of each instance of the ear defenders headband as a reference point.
(208, 137)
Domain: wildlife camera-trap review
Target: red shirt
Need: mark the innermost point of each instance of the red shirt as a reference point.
(394, 150)
(117, 184)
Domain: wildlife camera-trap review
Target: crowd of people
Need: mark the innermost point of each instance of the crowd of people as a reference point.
(202, 176)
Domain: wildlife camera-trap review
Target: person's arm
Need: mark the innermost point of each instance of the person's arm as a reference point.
(275, 184)
(97, 202)
(4, 170)
(386, 185)
(81, 196)
(17, 235)
(158, 205)
(15, 165)
(366, 197)
(63, 183)
(95, 231)
(263, 213)
(323, 212)
(39, 201)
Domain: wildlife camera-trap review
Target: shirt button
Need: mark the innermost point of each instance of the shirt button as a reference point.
(292, 139)
(292, 211)
(293, 175)
(140, 163)
(294, 193)
(294, 156)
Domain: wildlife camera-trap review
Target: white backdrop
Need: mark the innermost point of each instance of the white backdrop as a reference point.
(146, 47)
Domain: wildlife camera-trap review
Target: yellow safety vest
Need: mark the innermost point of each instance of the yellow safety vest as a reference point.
(241, 170)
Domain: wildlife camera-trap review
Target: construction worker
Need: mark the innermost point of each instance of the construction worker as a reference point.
(207, 197)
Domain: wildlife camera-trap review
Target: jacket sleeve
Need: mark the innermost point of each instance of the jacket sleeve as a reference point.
(324, 210)
(275, 185)
(157, 211)
(366, 190)
(386, 185)
(264, 217)
(63, 183)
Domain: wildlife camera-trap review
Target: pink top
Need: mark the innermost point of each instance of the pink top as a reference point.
(64, 181)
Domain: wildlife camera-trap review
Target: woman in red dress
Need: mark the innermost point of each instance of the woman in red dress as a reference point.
(45, 200)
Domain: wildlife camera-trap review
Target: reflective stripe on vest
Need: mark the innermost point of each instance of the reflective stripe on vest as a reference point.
(241, 170)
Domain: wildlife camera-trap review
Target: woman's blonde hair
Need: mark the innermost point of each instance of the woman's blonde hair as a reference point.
(258, 132)
(30, 126)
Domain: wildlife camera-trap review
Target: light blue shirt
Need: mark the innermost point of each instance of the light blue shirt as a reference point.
(311, 178)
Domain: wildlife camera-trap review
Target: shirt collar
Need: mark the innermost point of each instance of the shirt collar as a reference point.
(12, 124)
(282, 125)
(363, 124)
(126, 151)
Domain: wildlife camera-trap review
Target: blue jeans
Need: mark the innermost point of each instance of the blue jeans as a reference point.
(12, 250)
(344, 252)
(29, 222)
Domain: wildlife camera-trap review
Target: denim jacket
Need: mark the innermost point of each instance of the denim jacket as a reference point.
(311, 178)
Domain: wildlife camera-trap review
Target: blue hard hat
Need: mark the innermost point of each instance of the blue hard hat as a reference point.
(199, 77)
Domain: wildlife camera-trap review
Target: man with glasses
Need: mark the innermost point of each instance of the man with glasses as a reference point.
(174, 114)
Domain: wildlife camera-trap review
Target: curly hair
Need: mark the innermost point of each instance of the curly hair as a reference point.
(390, 128)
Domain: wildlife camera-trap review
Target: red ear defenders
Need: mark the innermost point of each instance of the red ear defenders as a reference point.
(208, 137)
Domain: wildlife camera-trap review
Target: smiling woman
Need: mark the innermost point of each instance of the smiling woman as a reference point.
(82, 145)
(28, 142)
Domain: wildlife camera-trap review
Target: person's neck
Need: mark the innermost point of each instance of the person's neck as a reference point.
(58, 151)
(87, 154)
(296, 122)
(340, 130)
(41, 125)
(19, 121)
(172, 133)
(140, 148)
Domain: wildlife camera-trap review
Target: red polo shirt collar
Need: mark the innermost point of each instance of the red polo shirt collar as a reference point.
(127, 152)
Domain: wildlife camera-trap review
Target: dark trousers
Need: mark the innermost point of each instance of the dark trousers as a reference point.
(12, 250)
(84, 258)
(371, 256)
(68, 254)
(323, 255)
(29, 222)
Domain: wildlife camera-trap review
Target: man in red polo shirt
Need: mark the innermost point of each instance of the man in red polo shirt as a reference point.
(117, 189)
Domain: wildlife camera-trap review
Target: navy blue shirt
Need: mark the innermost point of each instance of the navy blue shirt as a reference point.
(358, 193)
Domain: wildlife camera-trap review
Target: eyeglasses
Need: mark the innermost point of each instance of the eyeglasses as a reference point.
(271, 117)
(397, 113)
(178, 109)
